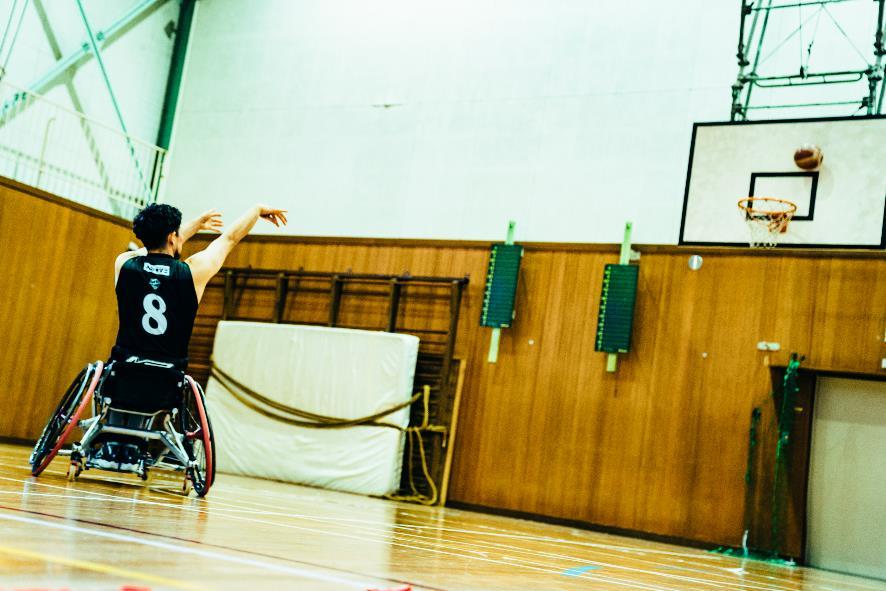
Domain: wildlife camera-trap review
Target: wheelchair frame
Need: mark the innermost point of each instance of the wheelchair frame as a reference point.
(86, 387)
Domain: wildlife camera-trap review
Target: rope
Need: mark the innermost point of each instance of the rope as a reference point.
(244, 393)
(415, 433)
(247, 397)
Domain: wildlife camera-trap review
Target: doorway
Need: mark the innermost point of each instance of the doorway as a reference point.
(846, 523)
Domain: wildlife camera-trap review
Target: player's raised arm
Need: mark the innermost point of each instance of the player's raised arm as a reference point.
(206, 263)
(208, 220)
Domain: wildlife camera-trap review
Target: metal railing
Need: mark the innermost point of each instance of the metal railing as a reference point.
(57, 149)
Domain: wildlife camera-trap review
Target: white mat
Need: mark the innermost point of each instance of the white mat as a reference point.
(329, 371)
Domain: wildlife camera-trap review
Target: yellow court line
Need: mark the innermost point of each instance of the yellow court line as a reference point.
(100, 568)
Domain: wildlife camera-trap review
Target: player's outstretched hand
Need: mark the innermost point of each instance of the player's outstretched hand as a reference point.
(211, 220)
(275, 216)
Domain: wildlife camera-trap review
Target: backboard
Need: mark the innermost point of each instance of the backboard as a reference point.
(842, 204)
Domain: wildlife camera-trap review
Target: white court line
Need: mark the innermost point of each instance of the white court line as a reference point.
(493, 532)
(601, 578)
(725, 579)
(580, 561)
(750, 580)
(267, 566)
(525, 564)
(824, 576)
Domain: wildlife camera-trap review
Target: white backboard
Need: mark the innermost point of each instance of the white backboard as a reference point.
(842, 204)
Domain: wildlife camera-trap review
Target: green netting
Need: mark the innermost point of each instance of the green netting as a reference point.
(779, 492)
(754, 555)
(790, 389)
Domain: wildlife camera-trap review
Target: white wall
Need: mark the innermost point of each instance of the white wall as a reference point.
(568, 116)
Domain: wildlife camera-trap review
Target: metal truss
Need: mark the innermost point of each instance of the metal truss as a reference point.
(62, 73)
(755, 16)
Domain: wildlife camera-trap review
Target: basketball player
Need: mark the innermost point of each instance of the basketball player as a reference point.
(158, 294)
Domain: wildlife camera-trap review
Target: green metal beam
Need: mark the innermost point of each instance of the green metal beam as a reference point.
(176, 70)
(51, 76)
(18, 29)
(745, 82)
(101, 64)
(67, 78)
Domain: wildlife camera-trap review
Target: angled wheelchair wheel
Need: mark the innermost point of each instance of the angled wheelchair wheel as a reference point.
(63, 421)
(199, 442)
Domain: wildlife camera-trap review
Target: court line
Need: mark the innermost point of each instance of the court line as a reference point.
(635, 585)
(524, 562)
(808, 574)
(209, 544)
(499, 533)
(527, 564)
(717, 579)
(748, 580)
(288, 570)
(546, 570)
(106, 569)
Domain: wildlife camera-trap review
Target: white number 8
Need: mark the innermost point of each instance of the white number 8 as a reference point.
(154, 308)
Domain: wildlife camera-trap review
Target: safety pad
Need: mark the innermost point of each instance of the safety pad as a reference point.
(327, 371)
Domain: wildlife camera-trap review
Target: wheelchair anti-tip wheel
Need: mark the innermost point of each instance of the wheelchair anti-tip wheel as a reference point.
(65, 418)
(199, 442)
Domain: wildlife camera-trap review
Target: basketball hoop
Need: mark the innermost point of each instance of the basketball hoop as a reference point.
(767, 219)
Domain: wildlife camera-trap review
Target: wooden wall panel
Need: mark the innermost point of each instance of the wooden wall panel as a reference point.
(57, 305)
(659, 447)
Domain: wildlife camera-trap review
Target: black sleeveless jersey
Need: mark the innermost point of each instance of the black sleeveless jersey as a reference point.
(156, 304)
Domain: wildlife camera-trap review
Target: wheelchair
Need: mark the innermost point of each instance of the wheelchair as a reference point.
(145, 414)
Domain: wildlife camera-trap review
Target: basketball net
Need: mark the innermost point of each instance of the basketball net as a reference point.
(767, 219)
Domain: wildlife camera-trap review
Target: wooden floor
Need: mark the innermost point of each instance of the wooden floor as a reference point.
(110, 532)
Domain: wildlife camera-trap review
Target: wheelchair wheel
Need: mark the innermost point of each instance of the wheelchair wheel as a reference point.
(199, 442)
(65, 418)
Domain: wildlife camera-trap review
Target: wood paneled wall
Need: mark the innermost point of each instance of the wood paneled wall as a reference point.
(658, 447)
(57, 305)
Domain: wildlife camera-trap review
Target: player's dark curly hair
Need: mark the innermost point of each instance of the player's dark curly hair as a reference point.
(154, 223)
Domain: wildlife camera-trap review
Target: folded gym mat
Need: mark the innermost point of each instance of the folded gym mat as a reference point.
(327, 371)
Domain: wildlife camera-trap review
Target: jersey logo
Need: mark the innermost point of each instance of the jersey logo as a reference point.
(154, 283)
(157, 269)
(150, 362)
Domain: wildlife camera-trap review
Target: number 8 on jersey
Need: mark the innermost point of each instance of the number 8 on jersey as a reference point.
(154, 322)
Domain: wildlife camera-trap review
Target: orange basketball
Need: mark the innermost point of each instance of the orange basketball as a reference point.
(808, 157)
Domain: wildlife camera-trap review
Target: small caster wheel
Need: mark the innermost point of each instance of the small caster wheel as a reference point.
(74, 470)
(186, 486)
(147, 477)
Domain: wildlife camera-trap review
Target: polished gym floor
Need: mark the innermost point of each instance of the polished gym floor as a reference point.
(109, 532)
